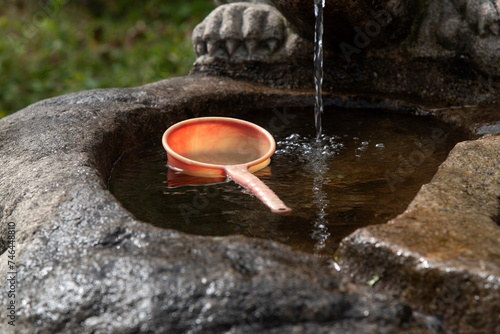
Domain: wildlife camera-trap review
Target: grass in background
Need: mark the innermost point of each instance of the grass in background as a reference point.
(53, 47)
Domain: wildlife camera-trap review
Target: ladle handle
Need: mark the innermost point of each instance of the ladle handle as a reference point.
(242, 176)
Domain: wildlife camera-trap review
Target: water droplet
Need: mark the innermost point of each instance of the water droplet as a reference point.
(335, 266)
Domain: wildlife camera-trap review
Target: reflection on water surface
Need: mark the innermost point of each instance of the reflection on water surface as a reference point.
(365, 169)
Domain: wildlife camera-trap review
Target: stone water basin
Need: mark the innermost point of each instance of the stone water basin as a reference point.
(89, 265)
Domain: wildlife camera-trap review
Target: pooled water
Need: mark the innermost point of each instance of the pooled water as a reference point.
(364, 169)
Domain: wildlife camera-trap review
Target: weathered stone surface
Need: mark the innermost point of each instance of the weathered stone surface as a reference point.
(253, 42)
(244, 32)
(435, 50)
(466, 28)
(443, 253)
(85, 265)
(342, 18)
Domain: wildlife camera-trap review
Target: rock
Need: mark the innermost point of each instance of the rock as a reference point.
(438, 50)
(343, 18)
(243, 32)
(467, 29)
(251, 42)
(443, 253)
(86, 265)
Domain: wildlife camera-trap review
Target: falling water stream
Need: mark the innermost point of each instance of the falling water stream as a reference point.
(317, 163)
(318, 65)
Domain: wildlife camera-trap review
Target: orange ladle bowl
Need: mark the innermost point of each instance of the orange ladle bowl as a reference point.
(223, 146)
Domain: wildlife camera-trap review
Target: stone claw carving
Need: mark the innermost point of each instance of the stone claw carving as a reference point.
(241, 32)
(483, 15)
(464, 27)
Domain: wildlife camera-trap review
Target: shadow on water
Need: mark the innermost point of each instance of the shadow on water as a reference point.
(365, 169)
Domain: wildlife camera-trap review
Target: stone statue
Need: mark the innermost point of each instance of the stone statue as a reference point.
(74, 260)
(398, 46)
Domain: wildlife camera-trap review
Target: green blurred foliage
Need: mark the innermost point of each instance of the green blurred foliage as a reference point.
(53, 47)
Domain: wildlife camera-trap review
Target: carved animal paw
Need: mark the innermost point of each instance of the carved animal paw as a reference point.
(471, 28)
(483, 15)
(241, 32)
